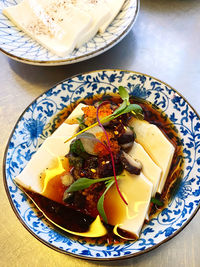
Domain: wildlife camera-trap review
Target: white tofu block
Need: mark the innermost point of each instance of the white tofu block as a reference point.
(156, 144)
(100, 13)
(115, 6)
(77, 112)
(56, 25)
(137, 190)
(52, 148)
(149, 168)
(30, 176)
(65, 130)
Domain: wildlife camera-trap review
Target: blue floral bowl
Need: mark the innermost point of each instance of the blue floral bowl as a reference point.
(20, 47)
(38, 122)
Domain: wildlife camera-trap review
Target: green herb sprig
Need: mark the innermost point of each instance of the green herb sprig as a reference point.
(83, 183)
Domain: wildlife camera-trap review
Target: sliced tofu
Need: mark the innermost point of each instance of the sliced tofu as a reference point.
(30, 178)
(46, 156)
(149, 168)
(100, 13)
(76, 113)
(115, 7)
(56, 25)
(137, 190)
(156, 144)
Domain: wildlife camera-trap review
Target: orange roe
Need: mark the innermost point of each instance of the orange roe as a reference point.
(90, 113)
(100, 149)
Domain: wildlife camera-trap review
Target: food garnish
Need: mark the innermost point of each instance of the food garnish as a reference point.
(108, 171)
(83, 183)
(108, 144)
(124, 108)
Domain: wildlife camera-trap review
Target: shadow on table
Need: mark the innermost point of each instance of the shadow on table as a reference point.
(120, 56)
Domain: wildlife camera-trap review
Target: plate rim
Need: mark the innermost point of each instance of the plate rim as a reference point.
(53, 246)
(82, 57)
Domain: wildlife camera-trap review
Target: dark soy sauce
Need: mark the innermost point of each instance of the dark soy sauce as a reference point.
(60, 214)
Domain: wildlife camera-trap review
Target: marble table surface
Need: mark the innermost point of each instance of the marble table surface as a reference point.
(164, 43)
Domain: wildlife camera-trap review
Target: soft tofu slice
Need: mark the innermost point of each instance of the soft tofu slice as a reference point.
(56, 25)
(156, 144)
(46, 156)
(100, 13)
(149, 168)
(77, 112)
(115, 7)
(30, 176)
(65, 130)
(137, 190)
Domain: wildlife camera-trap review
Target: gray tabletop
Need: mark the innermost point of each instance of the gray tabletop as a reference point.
(164, 43)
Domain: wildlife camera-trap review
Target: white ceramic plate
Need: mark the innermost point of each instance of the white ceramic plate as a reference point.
(37, 123)
(19, 46)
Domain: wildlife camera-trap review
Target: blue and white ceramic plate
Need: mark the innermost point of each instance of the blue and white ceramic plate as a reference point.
(20, 47)
(37, 123)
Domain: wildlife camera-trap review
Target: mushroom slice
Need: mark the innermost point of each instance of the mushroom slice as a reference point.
(130, 164)
(127, 137)
(126, 140)
(127, 147)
